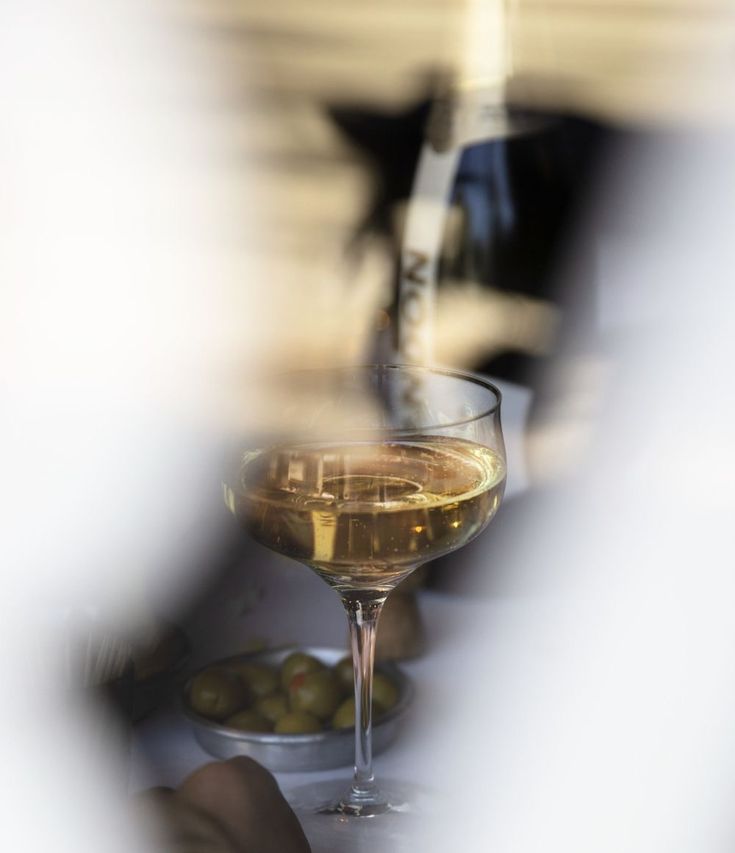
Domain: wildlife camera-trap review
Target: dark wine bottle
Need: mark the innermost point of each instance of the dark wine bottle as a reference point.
(497, 196)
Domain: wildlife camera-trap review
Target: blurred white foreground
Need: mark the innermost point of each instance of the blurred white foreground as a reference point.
(597, 712)
(125, 314)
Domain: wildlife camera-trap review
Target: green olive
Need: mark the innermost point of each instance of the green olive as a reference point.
(385, 692)
(217, 693)
(346, 674)
(297, 723)
(249, 721)
(273, 707)
(262, 680)
(344, 716)
(296, 664)
(319, 693)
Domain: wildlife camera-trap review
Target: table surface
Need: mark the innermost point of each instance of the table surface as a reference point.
(165, 750)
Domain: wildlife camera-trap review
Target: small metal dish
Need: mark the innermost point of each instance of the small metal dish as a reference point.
(296, 753)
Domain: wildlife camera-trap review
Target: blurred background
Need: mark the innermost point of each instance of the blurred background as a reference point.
(200, 194)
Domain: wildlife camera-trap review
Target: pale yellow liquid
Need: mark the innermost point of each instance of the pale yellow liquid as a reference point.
(365, 514)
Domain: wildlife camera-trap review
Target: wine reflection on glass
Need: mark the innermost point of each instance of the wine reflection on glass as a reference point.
(375, 470)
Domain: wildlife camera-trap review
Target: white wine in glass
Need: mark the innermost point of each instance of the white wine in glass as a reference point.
(364, 494)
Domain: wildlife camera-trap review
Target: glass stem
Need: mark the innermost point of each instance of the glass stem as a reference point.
(363, 611)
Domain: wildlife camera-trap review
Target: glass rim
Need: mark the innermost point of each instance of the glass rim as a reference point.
(454, 373)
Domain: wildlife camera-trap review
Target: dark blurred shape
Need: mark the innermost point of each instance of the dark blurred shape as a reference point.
(390, 143)
(402, 634)
(159, 667)
(513, 207)
(520, 199)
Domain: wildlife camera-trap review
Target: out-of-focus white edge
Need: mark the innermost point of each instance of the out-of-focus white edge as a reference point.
(126, 307)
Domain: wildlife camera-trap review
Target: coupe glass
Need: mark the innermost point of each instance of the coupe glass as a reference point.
(372, 471)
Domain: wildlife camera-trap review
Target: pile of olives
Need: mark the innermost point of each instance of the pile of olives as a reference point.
(303, 695)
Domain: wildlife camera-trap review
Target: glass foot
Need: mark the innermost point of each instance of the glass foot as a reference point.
(345, 807)
(334, 819)
(353, 804)
(335, 798)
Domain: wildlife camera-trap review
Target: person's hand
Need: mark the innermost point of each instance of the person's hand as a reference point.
(230, 806)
